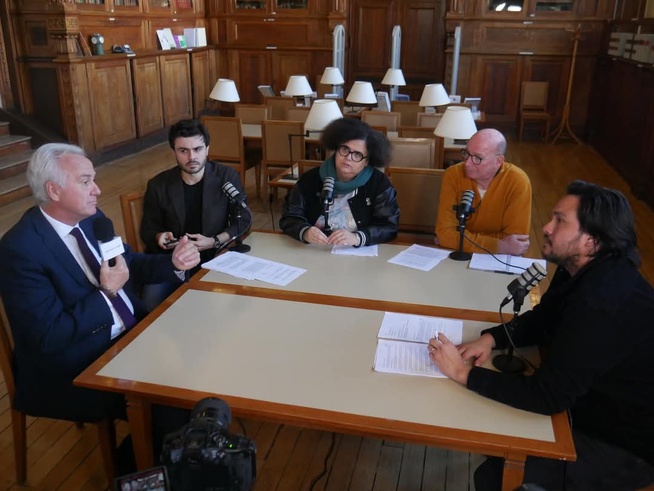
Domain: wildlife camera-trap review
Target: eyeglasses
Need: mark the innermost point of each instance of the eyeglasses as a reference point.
(344, 151)
(476, 159)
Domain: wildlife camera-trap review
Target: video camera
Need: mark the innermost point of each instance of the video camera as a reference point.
(203, 456)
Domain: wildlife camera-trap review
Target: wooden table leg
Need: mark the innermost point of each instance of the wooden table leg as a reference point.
(514, 471)
(139, 415)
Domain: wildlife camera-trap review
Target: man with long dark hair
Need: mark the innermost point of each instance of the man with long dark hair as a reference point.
(596, 322)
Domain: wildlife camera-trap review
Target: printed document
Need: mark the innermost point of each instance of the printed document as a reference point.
(505, 263)
(403, 339)
(419, 257)
(372, 250)
(254, 268)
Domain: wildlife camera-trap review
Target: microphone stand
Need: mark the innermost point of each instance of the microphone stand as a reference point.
(325, 213)
(459, 255)
(235, 212)
(507, 362)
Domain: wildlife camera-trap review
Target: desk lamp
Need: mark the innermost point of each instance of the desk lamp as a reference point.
(224, 91)
(361, 94)
(394, 77)
(457, 123)
(332, 76)
(298, 86)
(434, 95)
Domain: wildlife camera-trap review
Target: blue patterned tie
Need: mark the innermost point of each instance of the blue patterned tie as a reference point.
(119, 304)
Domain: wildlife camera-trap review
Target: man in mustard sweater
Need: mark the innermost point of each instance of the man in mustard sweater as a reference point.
(502, 202)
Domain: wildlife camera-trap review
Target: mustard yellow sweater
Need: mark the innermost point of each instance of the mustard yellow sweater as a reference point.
(504, 210)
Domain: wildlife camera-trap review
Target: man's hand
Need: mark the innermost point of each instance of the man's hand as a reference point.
(514, 244)
(479, 349)
(448, 359)
(166, 240)
(185, 255)
(201, 242)
(112, 278)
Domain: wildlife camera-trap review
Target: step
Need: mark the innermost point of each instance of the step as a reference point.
(14, 144)
(14, 164)
(13, 189)
(4, 128)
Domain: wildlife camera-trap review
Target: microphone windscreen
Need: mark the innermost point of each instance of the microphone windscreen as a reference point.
(103, 229)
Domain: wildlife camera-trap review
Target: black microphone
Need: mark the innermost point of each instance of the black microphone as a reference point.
(233, 194)
(465, 207)
(103, 229)
(528, 279)
(327, 195)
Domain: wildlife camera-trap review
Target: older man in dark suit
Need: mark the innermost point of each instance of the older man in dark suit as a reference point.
(66, 305)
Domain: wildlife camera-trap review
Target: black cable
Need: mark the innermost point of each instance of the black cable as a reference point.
(489, 252)
(272, 214)
(516, 352)
(315, 480)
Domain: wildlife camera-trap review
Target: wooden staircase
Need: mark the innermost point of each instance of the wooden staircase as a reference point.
(15, 152)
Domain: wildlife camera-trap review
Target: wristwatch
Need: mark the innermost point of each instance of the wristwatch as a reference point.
(216, 242)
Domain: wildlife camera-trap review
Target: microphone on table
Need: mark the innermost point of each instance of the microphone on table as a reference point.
(463, 211)
(234, 195)
(519, 287)
(111, 245)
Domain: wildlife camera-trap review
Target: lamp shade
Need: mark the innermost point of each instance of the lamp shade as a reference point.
(434, 95)
(457, 122)
(362, 93)
(224, 90)
(394, 76)
(322, 112)
(332, 76)
(298, 86)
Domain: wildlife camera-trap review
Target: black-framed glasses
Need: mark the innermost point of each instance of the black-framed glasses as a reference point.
(344, 151)
(476, 159)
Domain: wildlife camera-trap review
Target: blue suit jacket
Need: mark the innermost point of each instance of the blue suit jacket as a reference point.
(59, 320)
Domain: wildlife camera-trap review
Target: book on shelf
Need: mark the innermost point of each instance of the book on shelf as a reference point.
(402, 343)
(503, 263)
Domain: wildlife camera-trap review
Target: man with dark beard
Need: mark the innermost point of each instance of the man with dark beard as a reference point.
(188, 200)
(595, 321)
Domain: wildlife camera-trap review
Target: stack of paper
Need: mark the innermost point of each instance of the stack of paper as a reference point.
(419, 257)
(254, 268)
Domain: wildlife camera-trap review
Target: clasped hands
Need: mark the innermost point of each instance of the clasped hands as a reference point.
(456, 361)
(314, 235)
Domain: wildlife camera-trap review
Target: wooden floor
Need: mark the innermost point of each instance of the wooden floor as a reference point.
(64, 457)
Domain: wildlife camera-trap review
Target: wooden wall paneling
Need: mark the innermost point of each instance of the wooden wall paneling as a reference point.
(422, 40)
(274, 32)
(287, 63)
(200, 75)
(148, 99)
(176, 87)
(370, 51)
(75, 103)
(496, 79)
(112, 101)
(115, 29)
(251, 69)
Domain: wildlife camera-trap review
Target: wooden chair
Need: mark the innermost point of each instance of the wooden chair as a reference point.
(418, 192)
(429, 120)
(251, 113)
(413, 152)
(408, 110)
(297, 114)
(105, 428)
(381, 118)
(304, 165)
(277, 106)
(276, 147)
(382, 129)
(227, 146)
(131, 206)
(533, 106)
(424, 132)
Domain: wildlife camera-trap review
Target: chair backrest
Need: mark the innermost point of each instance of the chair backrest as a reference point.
(382, 118)
(382, 129)
(413, 152)
(408, 110)
(429, 120)
(226, 139)
(297, 114)
(251, 113)
(277, 106)
(7, 354)
(275, 141)
(534, 96)
(418, 192)
(415, 132)
(131, 206)
(305, 165)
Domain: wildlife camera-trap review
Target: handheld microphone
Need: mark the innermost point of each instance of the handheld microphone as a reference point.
(327, 194)
(525, 282)
(233, 194)
(465, 207)
(110, 245)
